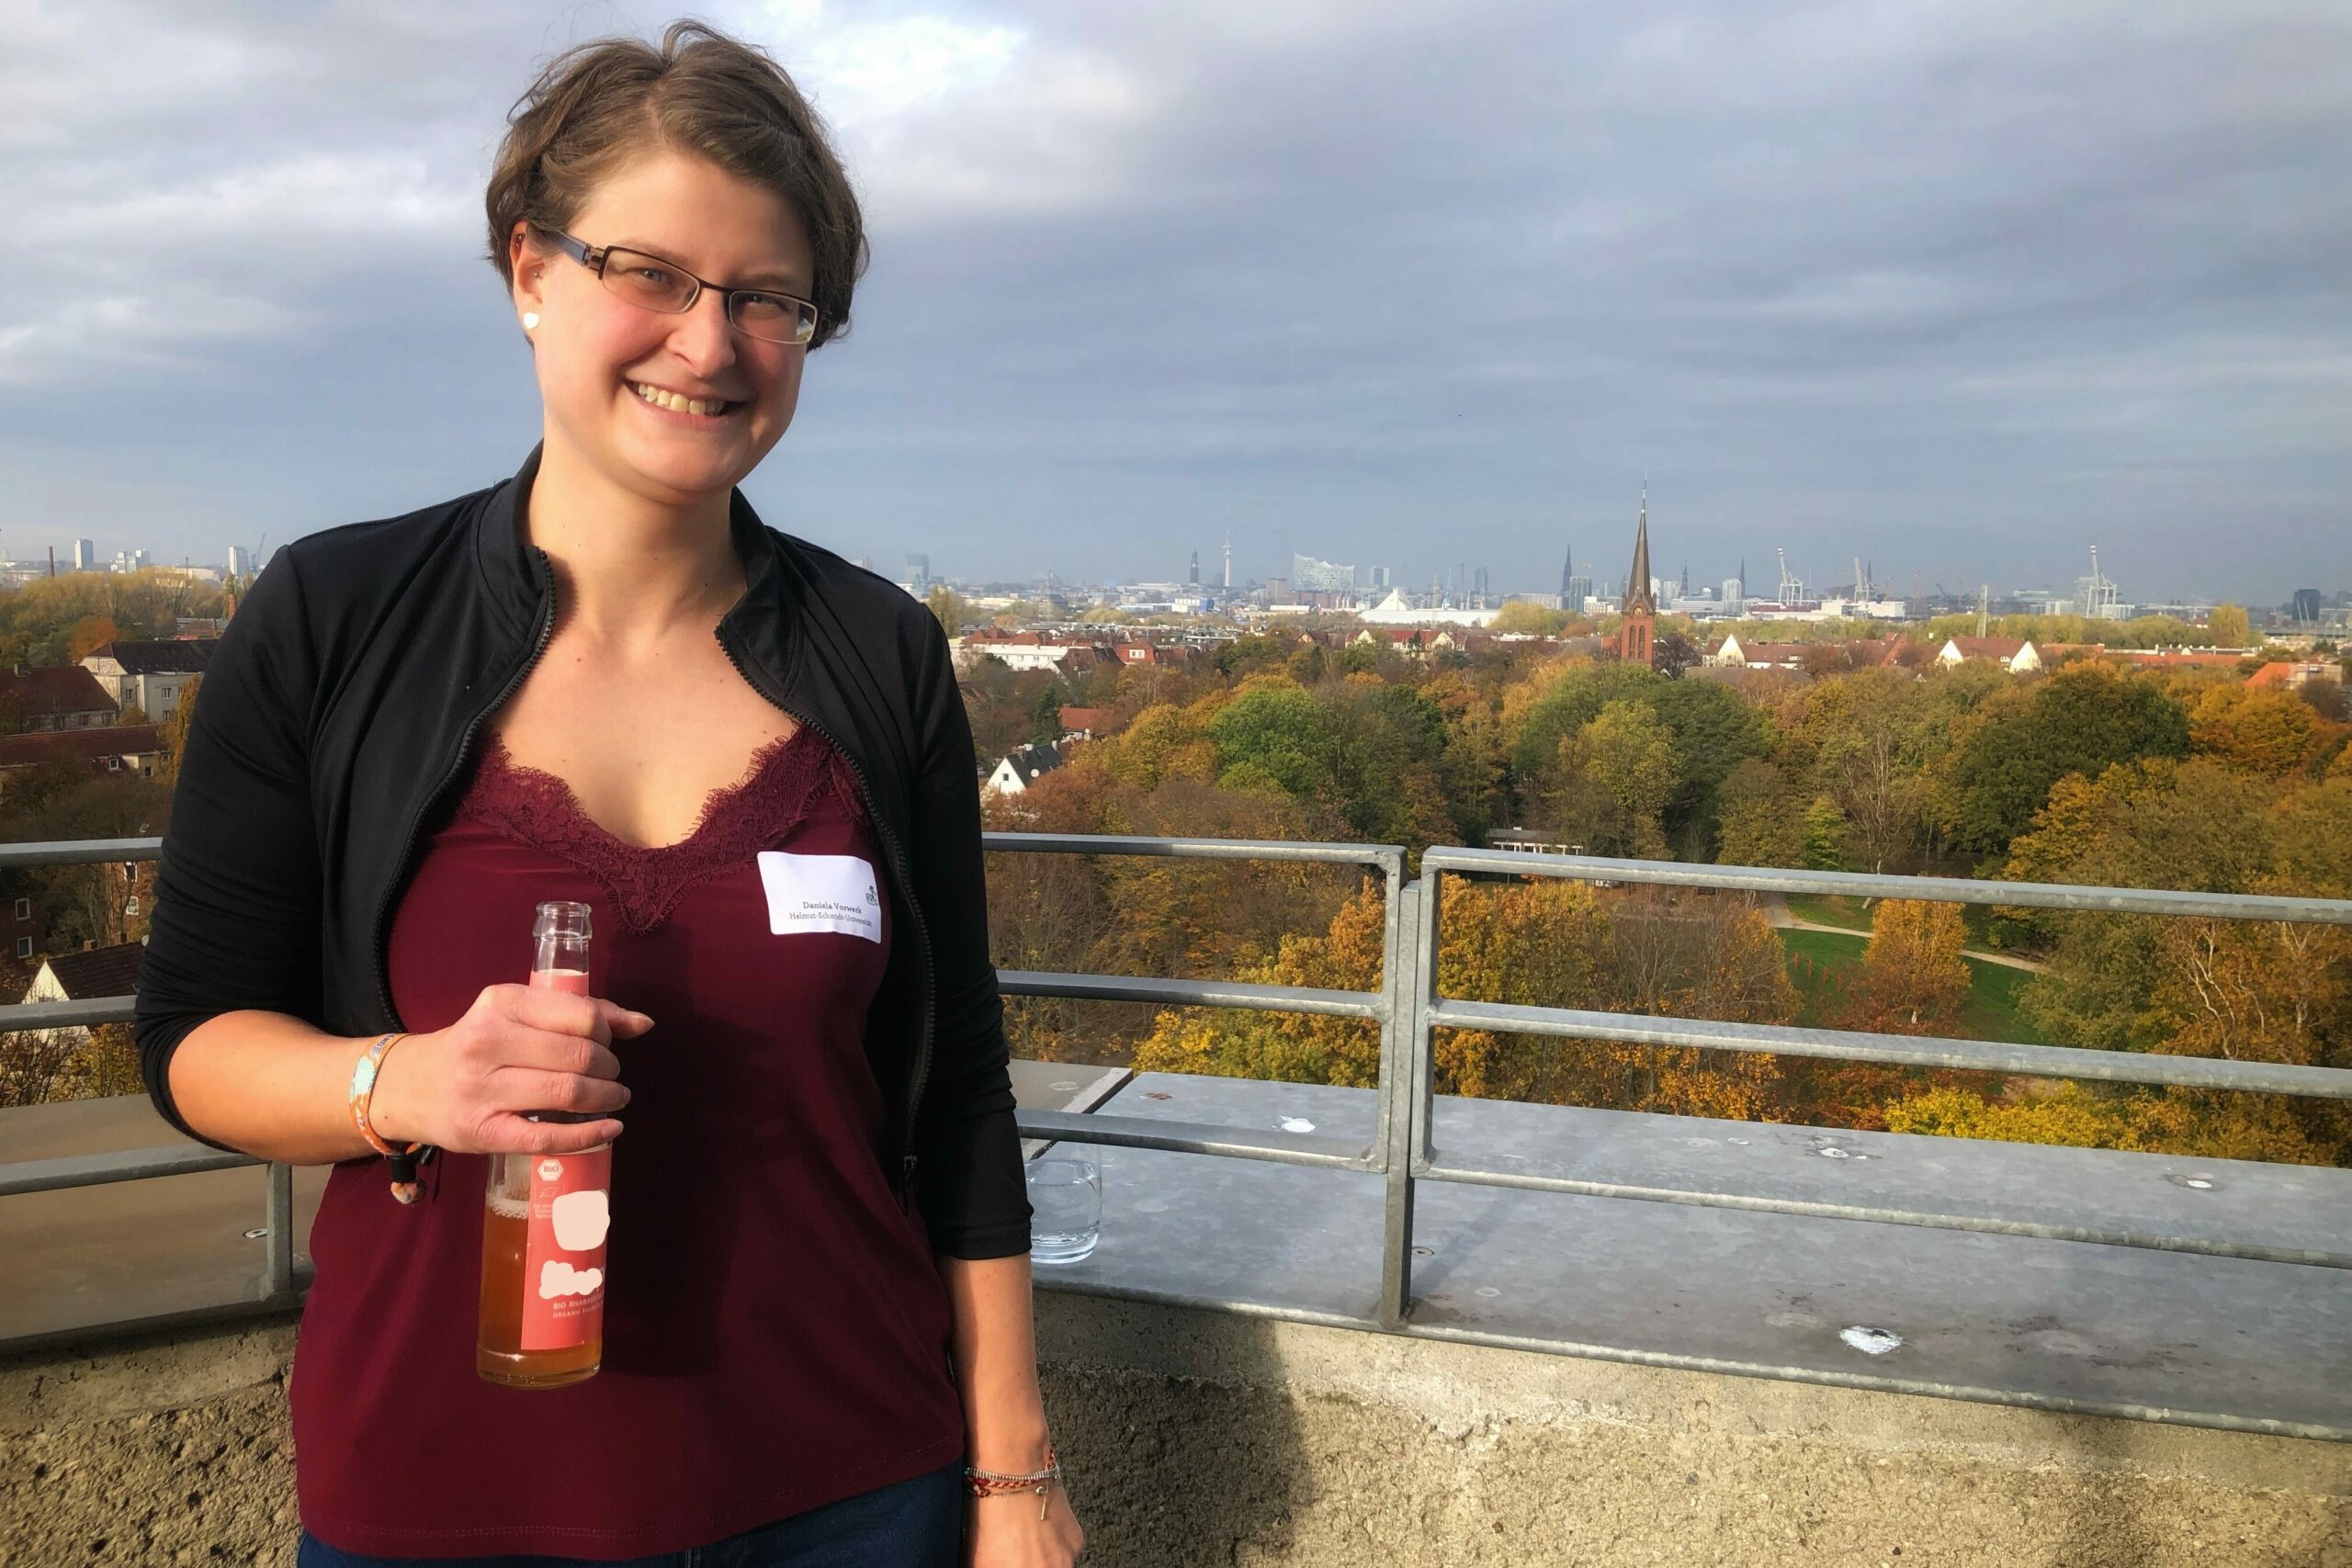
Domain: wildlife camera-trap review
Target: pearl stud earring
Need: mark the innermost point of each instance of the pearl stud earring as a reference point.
(530, 319)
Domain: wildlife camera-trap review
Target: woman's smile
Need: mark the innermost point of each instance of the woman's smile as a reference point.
(682, 408)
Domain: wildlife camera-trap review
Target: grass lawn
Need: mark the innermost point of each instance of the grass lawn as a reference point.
(1847, 914)
(1819, 959)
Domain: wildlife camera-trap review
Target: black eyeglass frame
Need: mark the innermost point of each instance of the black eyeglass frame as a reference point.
(594, 258)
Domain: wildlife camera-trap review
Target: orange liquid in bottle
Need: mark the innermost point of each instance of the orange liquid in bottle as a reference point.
(508, 1286)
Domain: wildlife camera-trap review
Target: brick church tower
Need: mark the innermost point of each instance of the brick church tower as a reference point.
(1640, 604)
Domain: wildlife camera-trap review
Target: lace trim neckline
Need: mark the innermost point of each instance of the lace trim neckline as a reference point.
(785, 781)
(497, 759)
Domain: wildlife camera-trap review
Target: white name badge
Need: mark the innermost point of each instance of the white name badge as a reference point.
(820, 893)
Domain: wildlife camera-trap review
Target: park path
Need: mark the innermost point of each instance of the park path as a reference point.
(1778, 914)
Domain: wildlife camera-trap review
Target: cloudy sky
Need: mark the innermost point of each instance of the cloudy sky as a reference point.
(1963, 287)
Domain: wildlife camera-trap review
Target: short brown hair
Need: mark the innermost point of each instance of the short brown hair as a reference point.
(600, 104)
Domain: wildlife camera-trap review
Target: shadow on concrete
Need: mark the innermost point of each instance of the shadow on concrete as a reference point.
(1195, 1437)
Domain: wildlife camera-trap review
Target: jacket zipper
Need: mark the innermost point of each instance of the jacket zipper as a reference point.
(891, 852)
(464, 744)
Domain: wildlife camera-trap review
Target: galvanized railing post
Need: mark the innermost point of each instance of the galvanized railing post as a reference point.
(280, 1218)
(1402, 1043)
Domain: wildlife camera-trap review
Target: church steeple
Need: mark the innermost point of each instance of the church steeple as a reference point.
(1640, 606)
(1637, 586)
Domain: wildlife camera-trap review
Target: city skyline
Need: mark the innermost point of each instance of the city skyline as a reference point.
(1963, 293)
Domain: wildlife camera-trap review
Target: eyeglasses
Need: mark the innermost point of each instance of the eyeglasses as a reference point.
(653, 284)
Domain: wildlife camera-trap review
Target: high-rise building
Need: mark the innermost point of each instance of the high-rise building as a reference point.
(919, 575)
(85, 554)
(1640, 604)
(1381, 580)
(1734, 595)
(1195, 577)
(2306, 606)
(1308, 575)
(240, 561)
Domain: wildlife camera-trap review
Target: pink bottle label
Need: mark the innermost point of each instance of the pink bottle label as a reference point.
(564, 1258)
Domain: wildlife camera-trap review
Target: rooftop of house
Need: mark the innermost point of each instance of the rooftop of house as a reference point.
(1989, 647)
(52, 689)
(110, 740)
(1028, 762)
(184, 655)
(95, 972)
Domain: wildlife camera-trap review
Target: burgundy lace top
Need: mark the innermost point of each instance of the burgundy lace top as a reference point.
(776, 1335)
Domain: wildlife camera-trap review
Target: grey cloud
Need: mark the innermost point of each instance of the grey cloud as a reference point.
(1961, 290)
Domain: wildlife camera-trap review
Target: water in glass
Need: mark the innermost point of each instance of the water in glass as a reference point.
(1066, 1205)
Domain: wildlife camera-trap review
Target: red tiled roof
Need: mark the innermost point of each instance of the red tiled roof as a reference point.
(174, 658)
(98, 971)
(52, 689)
(112, 741)
(1094, 721)
(1989, 647)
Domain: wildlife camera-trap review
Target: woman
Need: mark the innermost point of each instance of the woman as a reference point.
(604, 680)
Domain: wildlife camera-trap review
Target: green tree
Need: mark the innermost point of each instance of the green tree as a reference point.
(1284, 731)
(1046, 716)
(2083, 720)
(1615, 777)
(1760, 826)
(1824, 841)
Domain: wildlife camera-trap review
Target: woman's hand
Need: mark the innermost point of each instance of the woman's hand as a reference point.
(467, 1089)
(1004, 1531)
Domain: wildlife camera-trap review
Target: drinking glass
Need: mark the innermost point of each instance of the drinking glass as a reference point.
(1066, 1205)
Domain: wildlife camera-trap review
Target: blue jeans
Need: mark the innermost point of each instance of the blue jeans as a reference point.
(908, 1524)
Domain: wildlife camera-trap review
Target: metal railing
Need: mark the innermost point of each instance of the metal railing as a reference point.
(1185, 1137)
(1409, 1011)
(1428, 1012)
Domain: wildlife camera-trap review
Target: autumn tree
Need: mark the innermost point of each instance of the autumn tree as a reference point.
(2225, 626)
(1866, 741)
(1524, 617)
(2263, 729)
(89, 633)
(947, 606)
(1913, 979)
(1674, 652)
(1542, 943)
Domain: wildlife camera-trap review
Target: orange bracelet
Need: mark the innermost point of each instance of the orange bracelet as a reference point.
(402, 1162)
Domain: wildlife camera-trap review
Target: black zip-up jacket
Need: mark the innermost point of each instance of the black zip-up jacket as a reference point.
(339, 710)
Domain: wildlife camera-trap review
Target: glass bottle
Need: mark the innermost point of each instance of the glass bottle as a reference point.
(544, 1221)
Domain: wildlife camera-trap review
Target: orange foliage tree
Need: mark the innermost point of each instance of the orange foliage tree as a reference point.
(1536, 944)
(1913, 979)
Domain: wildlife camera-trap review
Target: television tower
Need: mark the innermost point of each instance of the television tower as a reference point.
(1228, 557)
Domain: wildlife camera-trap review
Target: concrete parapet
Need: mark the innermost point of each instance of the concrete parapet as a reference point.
(1200, 1437)
(1212, 1437)
(170, 1448)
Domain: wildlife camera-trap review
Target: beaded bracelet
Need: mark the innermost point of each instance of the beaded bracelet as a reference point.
(400, 1162)
(990, 1483)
